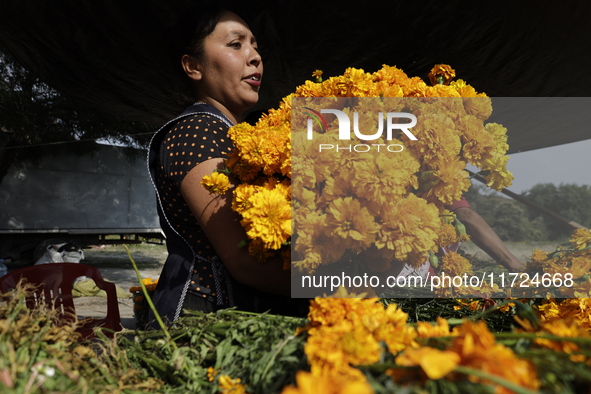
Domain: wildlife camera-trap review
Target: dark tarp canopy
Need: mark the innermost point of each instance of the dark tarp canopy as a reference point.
(112, 55)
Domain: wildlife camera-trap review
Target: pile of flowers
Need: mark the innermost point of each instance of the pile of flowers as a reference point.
(389, 207)
(347, 334)
(565, 272)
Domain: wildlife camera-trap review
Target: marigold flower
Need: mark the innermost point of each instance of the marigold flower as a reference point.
(441, 74)
(581, 238)
(428, 330)
(227, 385)
(454, 264)
(477, 348)
(434, 362)
(348, 220)
(269, 218)
(563, 327)
(409, 228)
(308, 383)
(217, 183)
(446, 235)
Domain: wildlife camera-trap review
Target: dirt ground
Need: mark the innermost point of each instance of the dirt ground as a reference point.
(114, 265)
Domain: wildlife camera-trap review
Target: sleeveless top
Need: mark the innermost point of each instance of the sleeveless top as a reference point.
(192, 266)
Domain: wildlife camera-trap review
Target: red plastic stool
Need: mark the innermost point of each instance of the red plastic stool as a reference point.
(54, 283)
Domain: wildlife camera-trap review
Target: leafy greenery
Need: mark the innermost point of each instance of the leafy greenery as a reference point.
(261, 349)
(568, 200)
(513, 221)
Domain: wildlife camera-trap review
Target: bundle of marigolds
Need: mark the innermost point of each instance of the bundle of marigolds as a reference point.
(380, 206)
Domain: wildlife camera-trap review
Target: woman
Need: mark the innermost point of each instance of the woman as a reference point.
(205, 269)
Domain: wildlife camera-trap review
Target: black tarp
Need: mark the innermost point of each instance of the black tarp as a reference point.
(111, 55)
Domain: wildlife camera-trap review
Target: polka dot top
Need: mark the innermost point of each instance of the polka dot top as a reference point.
(192, 140)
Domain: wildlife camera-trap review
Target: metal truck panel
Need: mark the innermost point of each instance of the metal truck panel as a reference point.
(104, 191)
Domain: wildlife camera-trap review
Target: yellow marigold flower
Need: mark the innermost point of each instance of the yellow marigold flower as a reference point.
(480, 107)
(330, 311)
(227, 385)
(217, 183)
(499, 134)
(446, 235)
(308, 383)
(268, 218)
(211, 373)
(395, 331)
(349, 221)
(579, 266)
(384, 177)
(538, 256)
(360, 346)
(438, 137)
(318, 75)
(567, 328)
(333, 349)
(578, 309)
(409, 228)
(391, 75)
(242, 194)
(478, 144)
(148, 283)
(434, 362)
(314, 245)
(464, 89)
(441, 74)
(478, 349)
(257, 249)
(499, 177)
(428, 330)
(454, 264)
(452, 183)
(581, 238)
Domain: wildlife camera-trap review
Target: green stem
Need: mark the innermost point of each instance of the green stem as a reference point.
(527, 335)
(481, 314)
(272, 359)
(494, 378)
(149, 300)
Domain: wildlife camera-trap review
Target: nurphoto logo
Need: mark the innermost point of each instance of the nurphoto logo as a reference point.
(391, 123)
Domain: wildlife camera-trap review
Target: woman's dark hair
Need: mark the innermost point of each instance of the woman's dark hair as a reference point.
(187, 38)
(194, 27)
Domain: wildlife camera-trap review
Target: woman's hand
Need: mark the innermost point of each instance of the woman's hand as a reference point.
(223, 229)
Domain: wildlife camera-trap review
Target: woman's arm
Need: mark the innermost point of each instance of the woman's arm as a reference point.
(223, 229)
(486, 239)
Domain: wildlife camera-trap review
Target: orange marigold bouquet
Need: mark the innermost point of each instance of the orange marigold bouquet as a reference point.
(387, 207)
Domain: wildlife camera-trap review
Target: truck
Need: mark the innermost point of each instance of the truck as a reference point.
(100, 198)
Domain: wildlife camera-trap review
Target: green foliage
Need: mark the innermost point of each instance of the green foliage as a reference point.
(513, 221)
(260, 349)
(568, 200)
(508, 218)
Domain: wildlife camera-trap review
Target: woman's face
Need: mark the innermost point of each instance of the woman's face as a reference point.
(231, 68)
